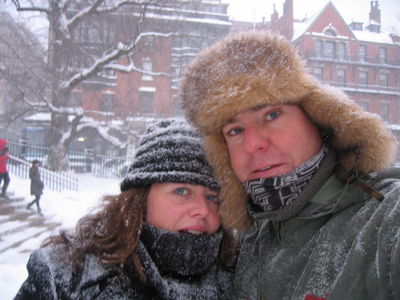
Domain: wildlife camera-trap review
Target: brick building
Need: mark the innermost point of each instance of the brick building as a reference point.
(195, 24)
(360, 59)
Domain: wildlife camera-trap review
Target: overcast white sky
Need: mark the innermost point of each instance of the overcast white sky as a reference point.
(351, 10)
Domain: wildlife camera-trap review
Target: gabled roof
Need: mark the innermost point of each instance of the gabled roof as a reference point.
(306, 26)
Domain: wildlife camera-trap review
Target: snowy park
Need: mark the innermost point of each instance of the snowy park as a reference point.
(63, 208)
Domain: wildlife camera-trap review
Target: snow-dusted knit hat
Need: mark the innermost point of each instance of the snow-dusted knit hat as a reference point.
(250, 69)
(170, 151)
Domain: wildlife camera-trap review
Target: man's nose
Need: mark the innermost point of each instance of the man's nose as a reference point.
(256, 140)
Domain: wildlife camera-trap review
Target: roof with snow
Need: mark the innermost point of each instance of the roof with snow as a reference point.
(303, 27)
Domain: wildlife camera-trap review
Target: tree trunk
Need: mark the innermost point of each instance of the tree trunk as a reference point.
(57, 156)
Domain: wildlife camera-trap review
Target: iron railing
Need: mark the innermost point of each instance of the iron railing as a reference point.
(78, 161)
(56, 181)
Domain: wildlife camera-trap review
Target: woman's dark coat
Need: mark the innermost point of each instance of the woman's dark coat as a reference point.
(177, 266)
(36, 182)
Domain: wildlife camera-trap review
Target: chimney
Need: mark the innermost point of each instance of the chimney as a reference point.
(288, 19)
(274, 16)
(374, 18)
(375, 13)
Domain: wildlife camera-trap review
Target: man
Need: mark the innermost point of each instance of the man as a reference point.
(303, 171)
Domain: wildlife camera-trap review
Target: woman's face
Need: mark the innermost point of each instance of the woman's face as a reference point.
(182, 207)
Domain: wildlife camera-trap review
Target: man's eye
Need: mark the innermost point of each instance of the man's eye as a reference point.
(181, 191)
(234, 131)
(272, 115)
(213, 198)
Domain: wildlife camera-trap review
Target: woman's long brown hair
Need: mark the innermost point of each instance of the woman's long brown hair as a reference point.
(112, 233)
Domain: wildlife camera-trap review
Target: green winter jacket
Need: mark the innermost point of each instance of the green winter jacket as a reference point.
(344, 244)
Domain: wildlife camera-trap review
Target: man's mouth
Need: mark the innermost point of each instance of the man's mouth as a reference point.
(264, 169)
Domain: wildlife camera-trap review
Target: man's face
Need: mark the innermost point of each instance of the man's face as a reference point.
(269, 141)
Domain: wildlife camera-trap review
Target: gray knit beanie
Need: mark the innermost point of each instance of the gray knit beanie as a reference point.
(170, 151)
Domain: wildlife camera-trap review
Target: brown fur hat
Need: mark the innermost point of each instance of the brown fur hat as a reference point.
(255, 68)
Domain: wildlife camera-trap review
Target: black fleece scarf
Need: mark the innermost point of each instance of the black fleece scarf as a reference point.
(273, 193)
(181, 254)
(182, 265)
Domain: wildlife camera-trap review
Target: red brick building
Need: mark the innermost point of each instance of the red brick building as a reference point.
(195, 24)
(360, 59)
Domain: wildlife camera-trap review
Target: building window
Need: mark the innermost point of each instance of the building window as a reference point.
(148, 67)
(382, 55)
(146, 101)
(362, 52)
(319, 73)
(383, 79)
(364, 104)
(384, 106)
(107, 103)
(341, 76)
(75, 99)
(318, 48)
(398, 80)
(330, 32)
(363, 77)
(110, 73)
(341, 51)
(329, 50)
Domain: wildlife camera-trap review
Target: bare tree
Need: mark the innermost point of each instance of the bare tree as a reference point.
(21, 67)
(70, 63)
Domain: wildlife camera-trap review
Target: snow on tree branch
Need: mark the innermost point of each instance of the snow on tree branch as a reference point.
(103, 130)
(75, 110)
(109, 57)
(32, 7)
(97, 8)
(82, 14)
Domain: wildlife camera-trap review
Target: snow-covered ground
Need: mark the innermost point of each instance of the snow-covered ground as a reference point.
(62, 207)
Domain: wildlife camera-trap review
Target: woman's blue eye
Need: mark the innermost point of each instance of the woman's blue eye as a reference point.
(213, 198)
(272, 115)
(181, 191)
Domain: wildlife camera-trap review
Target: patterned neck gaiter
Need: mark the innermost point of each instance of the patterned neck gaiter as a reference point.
(274, 193)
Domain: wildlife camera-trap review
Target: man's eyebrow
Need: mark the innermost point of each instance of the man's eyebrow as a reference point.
(229, 121)
(252, 109)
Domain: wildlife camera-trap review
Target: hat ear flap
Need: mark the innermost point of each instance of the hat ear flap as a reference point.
(361, 139)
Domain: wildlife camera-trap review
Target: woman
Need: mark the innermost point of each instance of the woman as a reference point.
(36, 186)
(158, 239)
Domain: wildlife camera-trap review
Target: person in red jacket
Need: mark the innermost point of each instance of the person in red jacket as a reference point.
(3, 167)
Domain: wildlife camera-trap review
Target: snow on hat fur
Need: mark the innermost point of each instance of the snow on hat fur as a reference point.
(170, 151)
(250, 69)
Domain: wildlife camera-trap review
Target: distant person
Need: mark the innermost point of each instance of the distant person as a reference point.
(36, 185)
(4, 176)
(159, 238)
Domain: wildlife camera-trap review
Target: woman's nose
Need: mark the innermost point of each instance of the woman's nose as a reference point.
(200, 207)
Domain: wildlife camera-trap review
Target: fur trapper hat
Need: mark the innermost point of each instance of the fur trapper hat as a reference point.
(256, 68)
(170, 151)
